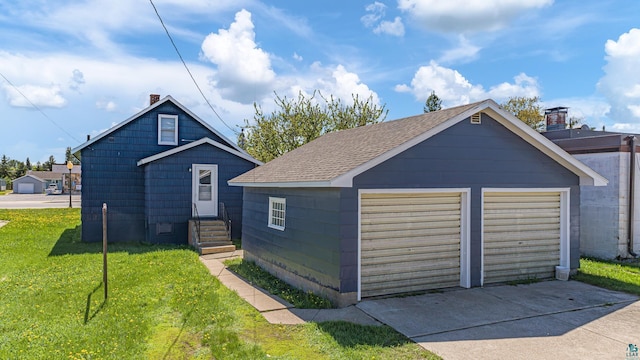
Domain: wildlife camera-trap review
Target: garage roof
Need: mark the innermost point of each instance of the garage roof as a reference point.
(334, 159)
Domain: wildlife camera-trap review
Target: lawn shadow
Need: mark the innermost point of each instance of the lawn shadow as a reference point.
(88, 314)
(350, 335)
(70, 243)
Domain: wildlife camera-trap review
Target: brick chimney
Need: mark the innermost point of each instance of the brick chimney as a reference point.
(153, 98)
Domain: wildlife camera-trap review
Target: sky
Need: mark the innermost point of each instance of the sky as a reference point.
(75, 68)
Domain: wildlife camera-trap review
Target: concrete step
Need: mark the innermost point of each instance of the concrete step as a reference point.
(215, 243)
(216, 249)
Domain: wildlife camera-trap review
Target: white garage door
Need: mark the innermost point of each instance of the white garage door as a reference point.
(521, 235)
(26, 188)
(409, 242)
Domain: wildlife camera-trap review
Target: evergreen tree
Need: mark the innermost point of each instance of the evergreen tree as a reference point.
(28, 164)
(433, 103)
(4, 167)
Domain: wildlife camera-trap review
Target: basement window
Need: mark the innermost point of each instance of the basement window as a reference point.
(277, 209)
(167, 129)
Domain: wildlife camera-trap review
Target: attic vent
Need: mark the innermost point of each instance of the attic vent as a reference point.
(475, 118)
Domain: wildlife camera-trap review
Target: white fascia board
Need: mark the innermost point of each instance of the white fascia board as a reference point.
(194, 144)
(587, 175)
(296, 184)
(346, 179)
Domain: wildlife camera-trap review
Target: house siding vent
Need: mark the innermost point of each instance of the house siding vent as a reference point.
(476, 118)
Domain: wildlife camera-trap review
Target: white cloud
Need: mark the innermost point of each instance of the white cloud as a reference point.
(465, 51)
(297, 57)
(464, 16)
(375, 12)
(244, 70)
(523, 85)
(619, 85)
(395, 28)
(76, 80)
(454, 89)
(28, 95)
(373, 19)
(107, 105)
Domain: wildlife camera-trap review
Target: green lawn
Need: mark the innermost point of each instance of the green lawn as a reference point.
(615, 275)
(162, 304)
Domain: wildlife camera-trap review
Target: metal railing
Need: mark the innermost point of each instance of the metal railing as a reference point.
(196, 218)
(226, 220)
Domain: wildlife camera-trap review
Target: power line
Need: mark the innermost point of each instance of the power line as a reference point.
(187, 68)
(38, 108)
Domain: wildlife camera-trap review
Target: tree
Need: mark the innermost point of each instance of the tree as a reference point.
(69, 157)
(433, 103)
(28, 164)
(527, 109)
(298, 121)
(48, 165)
(4, 167)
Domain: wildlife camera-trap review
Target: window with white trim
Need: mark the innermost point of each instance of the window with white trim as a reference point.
(167, 129)
(277, 209)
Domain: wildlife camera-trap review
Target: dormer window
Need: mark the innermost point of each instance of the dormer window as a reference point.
(167, 129)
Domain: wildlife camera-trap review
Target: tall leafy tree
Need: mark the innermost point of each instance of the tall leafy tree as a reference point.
(48, 165)
(433, 103)
(297, 121)
(527, 109)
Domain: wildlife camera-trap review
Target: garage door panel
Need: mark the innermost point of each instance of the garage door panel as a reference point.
(409, 242)
(400, 234)
(409, 255)
(521, 235)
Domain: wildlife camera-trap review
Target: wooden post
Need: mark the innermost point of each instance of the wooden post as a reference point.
(104, 249)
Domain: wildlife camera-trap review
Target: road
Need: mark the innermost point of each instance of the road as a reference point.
(38, 201)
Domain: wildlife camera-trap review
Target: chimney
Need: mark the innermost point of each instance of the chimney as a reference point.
(153, 98)
(556, 118)
(88, 137)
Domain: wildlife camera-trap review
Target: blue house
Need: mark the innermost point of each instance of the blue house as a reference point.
(156, 171)
(461, 197)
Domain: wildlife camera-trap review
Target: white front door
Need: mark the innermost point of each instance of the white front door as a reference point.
(205, 189)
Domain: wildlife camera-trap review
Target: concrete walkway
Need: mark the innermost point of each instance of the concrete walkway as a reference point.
(273, 308)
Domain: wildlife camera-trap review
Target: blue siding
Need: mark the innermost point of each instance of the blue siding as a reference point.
(110, 173)
(310, 244)
(168, 190)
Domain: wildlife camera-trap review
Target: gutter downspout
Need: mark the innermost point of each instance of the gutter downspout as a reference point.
(632, 178)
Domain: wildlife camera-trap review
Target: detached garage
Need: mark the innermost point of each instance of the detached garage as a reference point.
(28, 184)
(461, 197)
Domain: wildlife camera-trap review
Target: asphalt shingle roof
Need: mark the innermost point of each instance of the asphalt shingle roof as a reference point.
(337, 153)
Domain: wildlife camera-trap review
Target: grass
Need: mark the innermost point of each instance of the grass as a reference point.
(162, 304)
(256, 275)
(4, 192)
(615, 275)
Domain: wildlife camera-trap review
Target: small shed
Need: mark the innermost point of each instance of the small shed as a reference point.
(461, 197)
(28, 184)
(3, 185)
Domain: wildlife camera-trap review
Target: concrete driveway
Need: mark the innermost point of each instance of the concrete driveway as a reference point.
(37, 201)
(545, 320)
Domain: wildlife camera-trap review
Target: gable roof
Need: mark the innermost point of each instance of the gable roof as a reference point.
(149, 108)
(334, 159)
(29, 176)
(195, 144)
(45, 175)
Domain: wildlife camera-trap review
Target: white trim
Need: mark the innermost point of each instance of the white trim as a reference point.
(175, 129)
(565, 222)
(280, 200)
(149, 108)
(293, 184)
(465, 228)
(194, 144)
